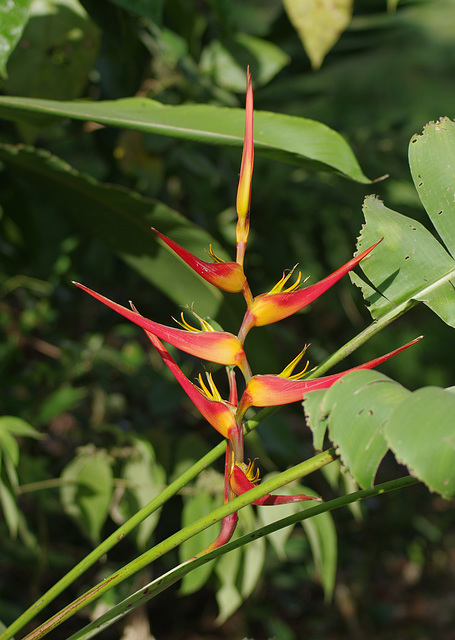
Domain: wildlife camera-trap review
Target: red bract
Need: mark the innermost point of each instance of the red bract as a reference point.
(275, 390)
(268, 308)
(244, 478)
(228, 276)
(216, 346)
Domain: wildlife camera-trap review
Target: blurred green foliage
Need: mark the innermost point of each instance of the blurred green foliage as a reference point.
(88, 382)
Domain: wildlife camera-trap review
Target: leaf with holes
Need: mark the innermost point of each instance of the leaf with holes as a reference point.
(410, 265)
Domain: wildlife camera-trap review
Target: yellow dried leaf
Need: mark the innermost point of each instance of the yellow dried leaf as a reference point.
(319, 24)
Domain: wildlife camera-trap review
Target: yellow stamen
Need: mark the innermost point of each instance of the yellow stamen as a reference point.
(205, 326)
(288, 370)
(213, 392)
(214, 256)
(278, 288)
(248, 469)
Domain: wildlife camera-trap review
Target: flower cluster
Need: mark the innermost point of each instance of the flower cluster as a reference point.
(227, 415)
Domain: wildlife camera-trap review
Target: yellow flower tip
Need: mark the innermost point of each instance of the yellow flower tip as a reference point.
(246, 170)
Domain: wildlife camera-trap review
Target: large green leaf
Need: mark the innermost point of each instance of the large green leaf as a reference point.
(287, 138)
(421, 433)
(122, 219)
(432, 162)
(408, 266)
(58, 50)
(356, 406)
(366, 413)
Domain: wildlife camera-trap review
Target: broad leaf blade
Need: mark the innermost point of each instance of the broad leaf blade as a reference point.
(432, 162)
(358, 405)
(408, 265)
(421, 433)
(122, 219)
(288, 138)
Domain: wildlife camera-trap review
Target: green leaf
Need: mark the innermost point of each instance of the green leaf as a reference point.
(322, 537)
(61, 400)
(148, 479)
(290, 139)
(226, 62)
(19, 427)
(228, 596)
(420, 432)
(267, 515)
(319, 24)
(87, 491)
(357, 406)
(315, 416)
(122, 219)
(194, 508)
(9, 446)
(366, 413)
(432, 162)
(409, 265)
(60, 45)
(9, 508)
(12, 23)
(253, 553)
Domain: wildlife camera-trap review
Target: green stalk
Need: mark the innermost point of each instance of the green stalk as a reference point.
(362, 337)
(163, 582)
(299, 471)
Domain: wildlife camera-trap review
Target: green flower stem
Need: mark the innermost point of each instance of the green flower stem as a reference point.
(124, 530)
(112, 540)
(299, 471)
(163, 582)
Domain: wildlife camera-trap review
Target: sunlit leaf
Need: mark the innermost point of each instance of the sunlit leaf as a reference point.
(13, 18)
(287, 138)
(319, 24)
(432, 163)
(359, 405)
(409, 265)
(59, 48)
(421, 433)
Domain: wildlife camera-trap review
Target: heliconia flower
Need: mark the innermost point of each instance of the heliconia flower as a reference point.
(243, 201)
(271, 307)
(228, 276)
(216, 346)
(244, 478)
(217, 412)
(275, 390)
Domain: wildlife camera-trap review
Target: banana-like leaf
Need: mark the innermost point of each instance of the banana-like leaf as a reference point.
(288, 138)
(367, 413)
(410, 265)
(122, 219)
